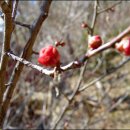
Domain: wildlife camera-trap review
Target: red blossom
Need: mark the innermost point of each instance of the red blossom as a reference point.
(94, 42)
(49, 56)
(119, 46)
(124, 46)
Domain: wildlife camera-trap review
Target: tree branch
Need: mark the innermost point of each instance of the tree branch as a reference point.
(29, 64)
(108, 8)
(8, 29)
(94, 17)
(23, 24)
(26, 55)
(15, 9)
(77, 63)
(108, 72)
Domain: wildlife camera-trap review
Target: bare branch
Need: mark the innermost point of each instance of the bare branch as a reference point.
(23, 24)
(120, 100)
(29, 64)
(61, 115)
(36, 53)
(88, 85)
(15, 9)
(1, 2)
(91, 83)
(80, 62)
(7, 8)
(10, 4)
(4, 6)
(26, 55)
(108, 8)
(109, 44)
(51, 72)
(9, 26)
(19, 23)
(94, 17)
(108, 72)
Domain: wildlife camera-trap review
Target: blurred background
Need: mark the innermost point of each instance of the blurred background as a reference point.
(104, 104)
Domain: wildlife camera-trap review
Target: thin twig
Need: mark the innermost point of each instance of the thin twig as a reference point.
(29, 64)
(18, 23)
(91, 83)
(79, 81)
(23, 24)
(108, 72)
(108, 8)
(115, 105)
(15, 7)
(94, 17)
(61, 115)
(14, 15)
(34, 52)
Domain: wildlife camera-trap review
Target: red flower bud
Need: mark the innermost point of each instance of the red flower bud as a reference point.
(49, 56)
(119, 46)
(84, 25)
(94, 42)
(124, 46)
(59, 43)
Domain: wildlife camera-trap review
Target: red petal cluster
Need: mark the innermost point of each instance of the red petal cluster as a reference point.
(119, 46)
(94, 42)
(124, 46)
(49, 56)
